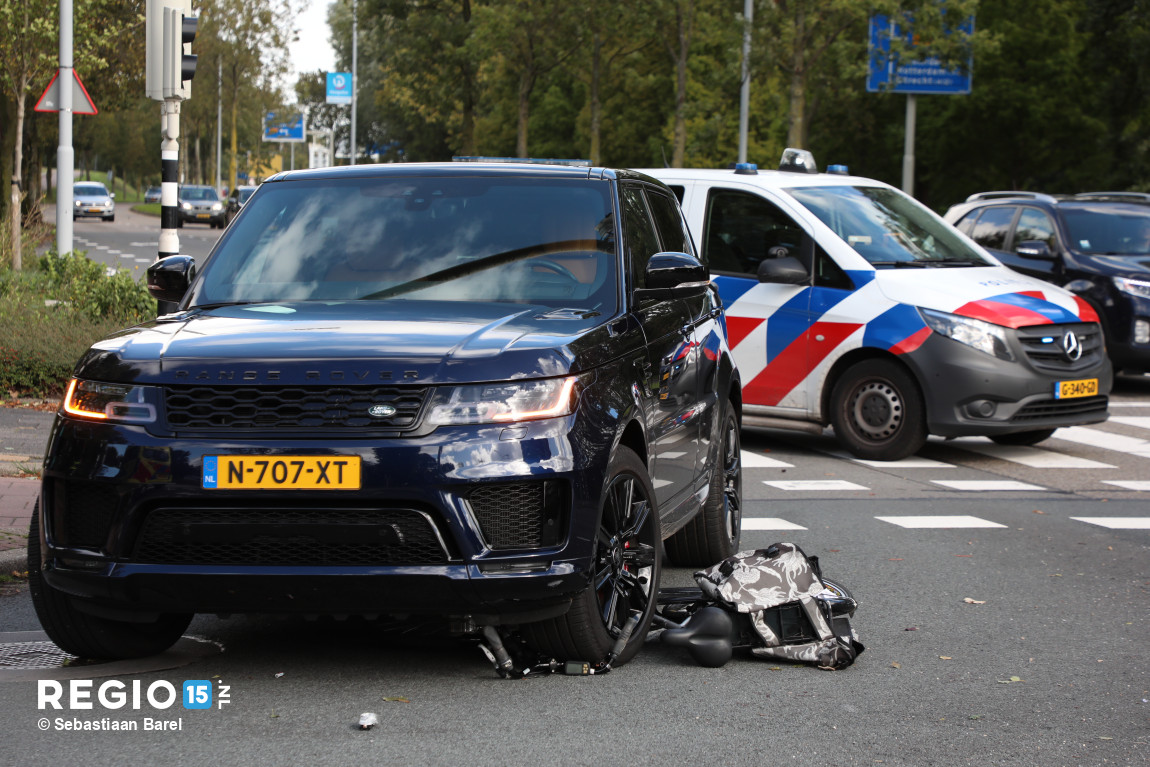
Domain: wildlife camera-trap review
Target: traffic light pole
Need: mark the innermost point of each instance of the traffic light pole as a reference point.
(169, 179)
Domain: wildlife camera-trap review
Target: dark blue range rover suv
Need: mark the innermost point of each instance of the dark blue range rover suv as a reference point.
(486, 392)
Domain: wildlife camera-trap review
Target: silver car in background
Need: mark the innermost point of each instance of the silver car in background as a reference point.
(93, 200)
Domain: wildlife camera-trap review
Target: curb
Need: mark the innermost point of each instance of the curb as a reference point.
(13, 559)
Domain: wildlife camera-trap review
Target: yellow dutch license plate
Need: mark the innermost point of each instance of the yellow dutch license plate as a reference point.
(1087, 387)
(95, 210)
(281, 472)
(203, 215)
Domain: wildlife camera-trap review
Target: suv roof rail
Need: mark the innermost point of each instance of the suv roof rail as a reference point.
(528, 160)
(996, 195)
(1121, 196)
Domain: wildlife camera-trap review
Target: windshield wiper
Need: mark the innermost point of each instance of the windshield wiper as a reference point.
(482, 264)
(901, 264)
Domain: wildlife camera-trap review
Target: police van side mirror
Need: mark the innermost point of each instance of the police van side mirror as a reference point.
(787, 270)
(169, 278)
(1034, 249)
(673, 275)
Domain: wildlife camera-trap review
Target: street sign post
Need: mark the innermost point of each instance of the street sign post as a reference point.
(50, 100)
(287, 127)
(339, 87)
(886, 74)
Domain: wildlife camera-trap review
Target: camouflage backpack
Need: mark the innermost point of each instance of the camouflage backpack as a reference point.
(773, 601)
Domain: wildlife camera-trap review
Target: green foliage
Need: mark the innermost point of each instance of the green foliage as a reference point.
(50, 315)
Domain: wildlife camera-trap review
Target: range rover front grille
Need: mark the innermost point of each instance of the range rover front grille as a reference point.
(1043, 345)
(289, 536)
(211, 408)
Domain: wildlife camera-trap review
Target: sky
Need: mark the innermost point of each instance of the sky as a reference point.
(312, 51)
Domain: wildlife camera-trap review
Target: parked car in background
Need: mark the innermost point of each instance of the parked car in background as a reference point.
(1096, 245)
(236, 199)
(201, 205)
(493, 393)
(848, 303)
(152, 195)
(91, 199)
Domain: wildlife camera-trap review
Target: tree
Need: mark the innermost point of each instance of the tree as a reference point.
(29, 47)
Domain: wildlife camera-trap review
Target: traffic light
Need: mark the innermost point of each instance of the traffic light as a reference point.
(171, 65)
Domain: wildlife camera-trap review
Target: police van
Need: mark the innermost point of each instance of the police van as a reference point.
(850, 304)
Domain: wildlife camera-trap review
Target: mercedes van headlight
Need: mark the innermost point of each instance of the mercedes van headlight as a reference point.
(504, 402)
(974, 333)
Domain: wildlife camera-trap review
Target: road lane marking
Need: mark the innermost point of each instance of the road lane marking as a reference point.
(1105, 440)
(939, 521)
(814, 484)
(914, 462)
(983, 484)
(1117, 523)
(755, 461)
(1142, 422)
(769, 523)
(1033, 457)
(1129, 484)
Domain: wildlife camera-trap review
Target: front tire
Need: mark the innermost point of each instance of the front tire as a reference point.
(878, 412)
(625, 573)
(713, 535)
(88, 636)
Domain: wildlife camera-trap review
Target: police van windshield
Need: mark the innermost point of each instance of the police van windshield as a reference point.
(539, 241)
(887, 228)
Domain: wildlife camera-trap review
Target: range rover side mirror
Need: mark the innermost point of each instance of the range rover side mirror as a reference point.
(169, 278)
(674, 275)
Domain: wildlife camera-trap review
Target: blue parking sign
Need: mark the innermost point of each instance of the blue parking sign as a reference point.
(339, 87)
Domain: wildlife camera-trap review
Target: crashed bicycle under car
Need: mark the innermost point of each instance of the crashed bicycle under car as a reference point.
(491, 393)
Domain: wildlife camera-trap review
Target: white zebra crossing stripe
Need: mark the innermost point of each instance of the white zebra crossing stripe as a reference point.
(755, 461)
(1129, 484)
(769, 523)
(814, 484)
(939, 521)
(914, 462)
(1140, 421)
(1105, 440)
(979, 484)
(1117, 523)
(1031, 456)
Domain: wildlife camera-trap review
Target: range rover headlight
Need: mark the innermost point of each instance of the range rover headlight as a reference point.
(974, 333)
(1139, 288)
(116, 403)
(504, 402)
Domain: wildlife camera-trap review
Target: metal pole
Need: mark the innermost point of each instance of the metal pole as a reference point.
(219, 122)
(908, 147)
(745, 92)
(354, 71)
(65, 158)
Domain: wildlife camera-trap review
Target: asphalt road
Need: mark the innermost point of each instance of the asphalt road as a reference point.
(131, 242)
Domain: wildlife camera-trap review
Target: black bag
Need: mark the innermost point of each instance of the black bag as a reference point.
(773, 600)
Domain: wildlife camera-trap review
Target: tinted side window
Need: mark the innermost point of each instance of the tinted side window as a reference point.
(669, 223)
(742, 229)
(678, 189)
(1034, 224)
(638, 234)
(992, 227)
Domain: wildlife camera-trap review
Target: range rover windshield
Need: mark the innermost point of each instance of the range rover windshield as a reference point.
(549, 242)
(887, 228)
